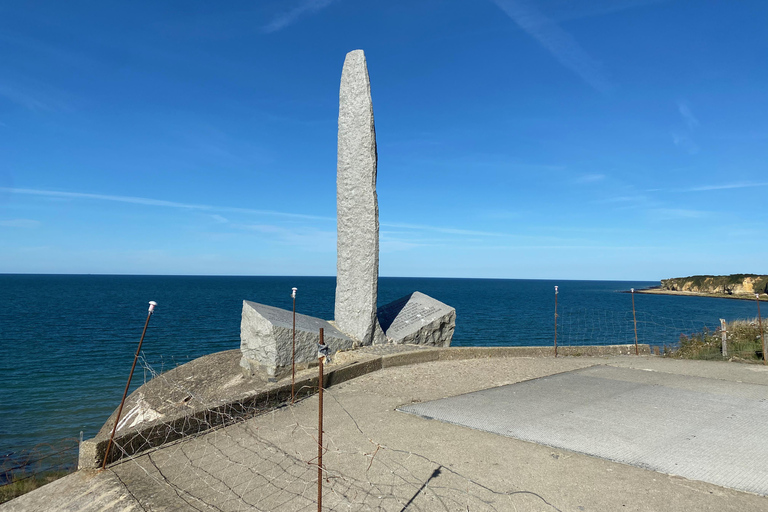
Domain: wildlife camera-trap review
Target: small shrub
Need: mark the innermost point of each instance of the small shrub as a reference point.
(23, 483)
(743, 343)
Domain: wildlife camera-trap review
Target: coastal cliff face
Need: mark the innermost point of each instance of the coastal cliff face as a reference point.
(734, 284)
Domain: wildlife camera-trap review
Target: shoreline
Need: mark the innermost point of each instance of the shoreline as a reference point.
(661, 291)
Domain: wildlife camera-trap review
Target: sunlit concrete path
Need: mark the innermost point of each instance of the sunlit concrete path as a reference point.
(377, 458)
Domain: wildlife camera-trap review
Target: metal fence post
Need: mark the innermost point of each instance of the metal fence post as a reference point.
(152, 305)
(724, 335)
(555, 321)
(634, 319)
(760, 325)
(293, 355)
(321, 357)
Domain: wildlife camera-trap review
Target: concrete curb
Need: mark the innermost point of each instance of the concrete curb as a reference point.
(156, 433)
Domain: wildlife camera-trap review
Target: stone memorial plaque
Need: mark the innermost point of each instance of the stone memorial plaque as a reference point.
(418, 319)
(266, 339)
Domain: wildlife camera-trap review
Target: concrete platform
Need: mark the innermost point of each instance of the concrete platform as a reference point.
(376, 458)
(698, 428)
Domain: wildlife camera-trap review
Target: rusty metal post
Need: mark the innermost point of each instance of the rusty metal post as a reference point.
(760, 325)
(320, 359)
(293, 356)
(555, 321)
(724, 337)
(152, 305)
(634, 318)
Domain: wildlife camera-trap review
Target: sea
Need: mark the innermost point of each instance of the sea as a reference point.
(67, 341)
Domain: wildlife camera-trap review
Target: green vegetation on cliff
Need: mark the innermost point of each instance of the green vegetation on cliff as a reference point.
(734, 284)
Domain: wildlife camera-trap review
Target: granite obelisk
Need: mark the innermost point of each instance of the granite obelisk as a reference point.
(265, 331)
(357, 209)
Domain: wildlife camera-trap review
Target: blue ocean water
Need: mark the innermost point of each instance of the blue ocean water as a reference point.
(67, 341)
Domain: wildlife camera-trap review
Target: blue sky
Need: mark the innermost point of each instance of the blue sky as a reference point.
(623, 139)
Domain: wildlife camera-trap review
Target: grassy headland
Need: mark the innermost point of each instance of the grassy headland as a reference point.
(734, 286)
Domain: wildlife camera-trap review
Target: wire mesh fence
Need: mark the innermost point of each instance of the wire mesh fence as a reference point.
(583, 326)
(261, 454)
(25, 470)
(44, 457)
(269, 461)
(672, 336)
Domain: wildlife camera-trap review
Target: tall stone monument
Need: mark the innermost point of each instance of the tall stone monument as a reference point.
(357, 209)
(266, 333)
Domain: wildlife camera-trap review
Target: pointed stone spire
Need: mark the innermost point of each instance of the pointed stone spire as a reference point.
(357, 209)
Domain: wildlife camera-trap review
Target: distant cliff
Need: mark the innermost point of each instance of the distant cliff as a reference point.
(734, 284)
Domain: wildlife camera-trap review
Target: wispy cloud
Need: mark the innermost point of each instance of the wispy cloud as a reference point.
(564, 11)
(557, 41)
(23, 98)
(677, 213)
(683, 138)
(726, 186)
(158, 202)
(743, 136)
(685, 142)
(623, 199)
(310, 239)
(484, 161)
(630, 201)
(500, 214)
(33, 94)
(590, 178)
(685, 110)
(599, 247)
(400, 241)
(393, 245)
(44, 51)
(288, 18)
(20, 223)
(436, 229)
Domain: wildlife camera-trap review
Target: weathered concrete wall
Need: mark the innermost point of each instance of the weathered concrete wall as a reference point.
(227, 395)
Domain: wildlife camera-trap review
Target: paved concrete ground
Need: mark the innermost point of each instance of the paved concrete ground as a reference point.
(379, 459)
(699, 428)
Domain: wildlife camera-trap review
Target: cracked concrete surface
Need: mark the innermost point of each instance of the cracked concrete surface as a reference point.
(380, 459)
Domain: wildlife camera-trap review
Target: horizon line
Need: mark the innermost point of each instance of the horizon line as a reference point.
(106, 274)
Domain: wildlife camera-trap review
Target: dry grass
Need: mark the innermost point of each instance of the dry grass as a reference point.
(24, 483)
(743, 343)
